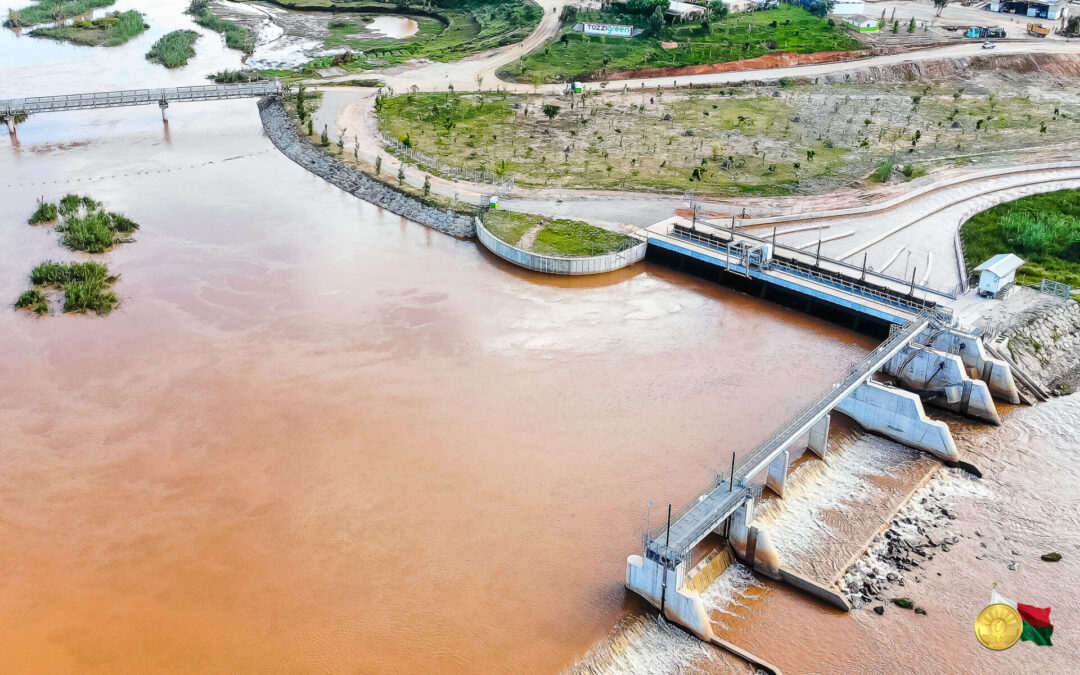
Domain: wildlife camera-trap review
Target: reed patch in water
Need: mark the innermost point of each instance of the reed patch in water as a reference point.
(84, 225)
(87, 287)
(174, 49)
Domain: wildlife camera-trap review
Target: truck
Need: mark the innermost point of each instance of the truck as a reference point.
(1038, 30)
(997, 32)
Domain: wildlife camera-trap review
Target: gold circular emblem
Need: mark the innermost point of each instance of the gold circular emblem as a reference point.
(998, 627)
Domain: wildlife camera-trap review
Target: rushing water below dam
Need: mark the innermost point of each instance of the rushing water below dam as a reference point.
(318, 437)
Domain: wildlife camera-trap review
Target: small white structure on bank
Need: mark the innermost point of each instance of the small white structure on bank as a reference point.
(865, 24)
(684, 11)
(998, 274)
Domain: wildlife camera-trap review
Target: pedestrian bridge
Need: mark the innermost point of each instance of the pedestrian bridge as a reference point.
(11, 109)
(929, 359)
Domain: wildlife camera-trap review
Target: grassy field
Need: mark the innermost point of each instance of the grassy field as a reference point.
(445, 33)
(787, 138)
(110, 30)
(236, 36)
(737, 36)
(554, 236)
(47, 11)
(86, 287)
(174, 49)
(1043, 229)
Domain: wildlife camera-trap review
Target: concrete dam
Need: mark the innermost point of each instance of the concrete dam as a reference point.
(926, 358)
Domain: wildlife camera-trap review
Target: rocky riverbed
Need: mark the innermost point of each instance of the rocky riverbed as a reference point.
(922, 530)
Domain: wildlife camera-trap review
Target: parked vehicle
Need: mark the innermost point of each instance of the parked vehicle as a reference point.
(1038, 30)
(997, 32)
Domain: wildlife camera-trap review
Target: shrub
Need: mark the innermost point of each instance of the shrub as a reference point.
(45, 213)
(33, 300)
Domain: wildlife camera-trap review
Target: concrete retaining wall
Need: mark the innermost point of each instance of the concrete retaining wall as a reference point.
(283, 133)
(558, 264)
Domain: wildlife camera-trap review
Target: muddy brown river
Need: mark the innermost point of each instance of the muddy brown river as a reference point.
(317, 437)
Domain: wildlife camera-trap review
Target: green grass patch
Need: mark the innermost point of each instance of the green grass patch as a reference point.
(110, 30)
(1043, 229)
(84, 225)
(33, 300)
(737, 36)
(236, 36)
(86, 287)
(45, 213)
(47, 11)
(174, 49)
(555, 236)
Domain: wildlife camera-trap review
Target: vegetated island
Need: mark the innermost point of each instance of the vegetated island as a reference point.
(717, 38)
(174, 49)
(83, 224)
(1042, 229)
(447, 30)
(110, 30)
(86, 287)
(236, 36)
(49, 11)
(554, 236)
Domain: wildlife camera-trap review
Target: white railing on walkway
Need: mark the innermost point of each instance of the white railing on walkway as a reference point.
(130, 97)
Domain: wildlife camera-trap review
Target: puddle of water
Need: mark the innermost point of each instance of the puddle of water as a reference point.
(397, 27)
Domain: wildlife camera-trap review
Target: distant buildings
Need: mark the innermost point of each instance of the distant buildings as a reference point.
(1053, 9)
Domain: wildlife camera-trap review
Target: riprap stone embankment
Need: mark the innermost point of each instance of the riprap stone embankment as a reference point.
(284, 134)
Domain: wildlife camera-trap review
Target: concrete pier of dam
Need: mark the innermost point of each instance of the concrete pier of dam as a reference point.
(949, 374)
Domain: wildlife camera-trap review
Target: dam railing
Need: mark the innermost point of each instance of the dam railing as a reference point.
(719, 507)
(882, 294)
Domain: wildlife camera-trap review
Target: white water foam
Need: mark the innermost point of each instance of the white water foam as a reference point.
(838, 484)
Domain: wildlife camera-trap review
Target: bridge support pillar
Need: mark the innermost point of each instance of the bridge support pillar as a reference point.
(819, 436)
(979, 364)
(777, 477)
(898, 415)
(164, 105)
(740, 526)
(943, 379)
(10, 125)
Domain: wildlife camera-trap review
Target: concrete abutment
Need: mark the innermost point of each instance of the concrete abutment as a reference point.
(980, 365)
(898, 415)
(944, 380)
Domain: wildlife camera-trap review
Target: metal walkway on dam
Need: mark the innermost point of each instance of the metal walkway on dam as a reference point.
(928, 358)
(12, 108)
(713, 505)
(855, 289)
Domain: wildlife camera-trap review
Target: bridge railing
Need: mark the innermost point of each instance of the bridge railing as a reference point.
(783, 436)
(126, 97)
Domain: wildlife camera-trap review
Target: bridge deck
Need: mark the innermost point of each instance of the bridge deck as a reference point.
(130, 97)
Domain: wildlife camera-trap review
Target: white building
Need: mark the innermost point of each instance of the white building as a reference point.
(998, 274)
(1051, 9)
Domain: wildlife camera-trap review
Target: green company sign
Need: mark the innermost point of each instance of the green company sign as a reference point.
(606, 29)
